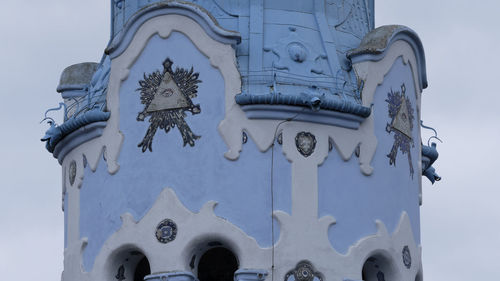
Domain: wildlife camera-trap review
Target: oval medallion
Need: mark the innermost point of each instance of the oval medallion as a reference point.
(305, 142)
(72, 172)
(406, 257)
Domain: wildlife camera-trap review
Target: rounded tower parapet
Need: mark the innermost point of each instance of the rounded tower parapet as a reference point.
(245, 140)
(77, 77)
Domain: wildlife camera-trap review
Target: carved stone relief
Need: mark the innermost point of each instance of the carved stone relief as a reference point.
(304, 271)
(72, 172)
(354, 18)
(305, 142)
(296, 56)
(166, 97)
(402, 116)
(166, 231)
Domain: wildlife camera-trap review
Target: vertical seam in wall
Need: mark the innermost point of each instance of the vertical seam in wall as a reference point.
(329, 39)
(272, 188)
(256, 35)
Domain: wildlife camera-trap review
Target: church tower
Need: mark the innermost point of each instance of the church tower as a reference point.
(246, 140)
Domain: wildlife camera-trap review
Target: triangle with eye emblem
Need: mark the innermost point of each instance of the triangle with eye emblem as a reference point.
(402, 120)
(167, 96)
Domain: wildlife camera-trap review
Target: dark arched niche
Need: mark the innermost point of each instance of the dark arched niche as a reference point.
(217, 264)
(379, 268)
(129, 264)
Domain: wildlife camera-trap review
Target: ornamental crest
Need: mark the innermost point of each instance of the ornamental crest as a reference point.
(305, 142)
(304, 271)
(166, 96)
(401, 114)
(166, 231)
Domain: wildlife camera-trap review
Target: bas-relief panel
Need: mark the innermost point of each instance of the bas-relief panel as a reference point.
(197, 173)
(388, 191)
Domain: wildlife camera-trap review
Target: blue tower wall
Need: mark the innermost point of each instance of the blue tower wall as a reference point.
(287, 132)
(197, 174)
(387, 192)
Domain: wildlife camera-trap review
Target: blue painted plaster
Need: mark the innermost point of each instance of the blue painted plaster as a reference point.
(197, 174)
(57, 133)
(122, 39)
(243, 188)
(85, 102)
(83, 134)
(321, 31)
(274, 73)
(357, 201)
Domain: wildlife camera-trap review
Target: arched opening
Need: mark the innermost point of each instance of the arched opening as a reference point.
(129, 265)
(142, 269)
(378, 268)
(217, 264)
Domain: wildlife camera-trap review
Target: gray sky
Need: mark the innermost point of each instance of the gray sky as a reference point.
(460, 215)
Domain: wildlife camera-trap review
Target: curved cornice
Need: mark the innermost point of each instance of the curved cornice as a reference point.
(74, 139)
(374, 45)
(56, 134)
(193, 11)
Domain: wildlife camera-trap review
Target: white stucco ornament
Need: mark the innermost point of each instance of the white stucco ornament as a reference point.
(295, 244)
(173, 238)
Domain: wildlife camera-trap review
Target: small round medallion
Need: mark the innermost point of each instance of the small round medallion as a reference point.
(297, 52)
(166, 231)
(406, 257)
(72, 172)
(304, 274)
(305, 142)
(304, 271)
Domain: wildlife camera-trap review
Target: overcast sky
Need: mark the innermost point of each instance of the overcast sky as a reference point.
(460, 215)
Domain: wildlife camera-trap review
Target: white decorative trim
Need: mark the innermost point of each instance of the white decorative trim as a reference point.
(194, 230)
(302, 238)
(122, 40)
(263, 133)
(221, 56)
(375, 44)
(73, 268)
(302, 235)
(309, 238)
(373, 74)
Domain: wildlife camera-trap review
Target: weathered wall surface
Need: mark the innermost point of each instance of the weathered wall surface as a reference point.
(280, 193)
